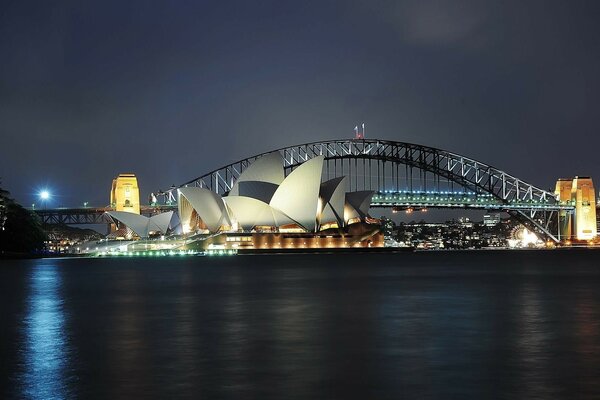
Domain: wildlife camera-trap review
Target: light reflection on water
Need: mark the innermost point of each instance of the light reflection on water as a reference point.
(534, 345)
(46, 354)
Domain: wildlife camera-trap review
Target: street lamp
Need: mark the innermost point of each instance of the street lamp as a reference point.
(44, 197)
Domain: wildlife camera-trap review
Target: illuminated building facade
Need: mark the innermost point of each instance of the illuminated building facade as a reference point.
(124, 198)
(125, 194)
(358, 235)
(584, 196)
(491, 220)
(563, 195)
(578, 192)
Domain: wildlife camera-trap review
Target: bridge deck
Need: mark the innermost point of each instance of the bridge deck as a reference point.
(90, 215)
(459, 200)
(96, 215)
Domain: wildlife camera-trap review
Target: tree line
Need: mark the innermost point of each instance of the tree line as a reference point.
(21, 231)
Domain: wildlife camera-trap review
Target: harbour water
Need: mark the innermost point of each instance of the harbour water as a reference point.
(434, 325)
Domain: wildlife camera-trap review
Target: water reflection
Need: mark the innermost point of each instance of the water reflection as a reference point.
(294, 322)
(186, 343)
(587, 340)
(127, 343)
(234, 334)
(46, 354)
(533, 346)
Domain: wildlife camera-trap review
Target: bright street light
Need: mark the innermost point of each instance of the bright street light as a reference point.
(44, 197)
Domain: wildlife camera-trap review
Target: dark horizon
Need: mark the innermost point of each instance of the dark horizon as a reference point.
(169, 92)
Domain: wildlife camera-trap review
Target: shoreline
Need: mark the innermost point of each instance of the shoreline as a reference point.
(295, 251)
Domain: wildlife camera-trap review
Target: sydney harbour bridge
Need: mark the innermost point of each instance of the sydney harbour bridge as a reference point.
(402, 175)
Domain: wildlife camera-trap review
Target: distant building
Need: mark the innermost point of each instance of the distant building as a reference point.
(465, 222)
(491, 220)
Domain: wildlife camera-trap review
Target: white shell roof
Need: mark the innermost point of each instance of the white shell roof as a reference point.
(268, 168)
(263, 197)
(249, 212)
(142, 225)
(208, 205)
(350, 213)
(298, 195)
(160, 222)
(137, 223)
(360, 201)
(262, 191)
(332, 195)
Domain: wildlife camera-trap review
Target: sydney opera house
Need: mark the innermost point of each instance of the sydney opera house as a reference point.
(267, 210)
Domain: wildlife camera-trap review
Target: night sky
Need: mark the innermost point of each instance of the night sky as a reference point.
(171, 90)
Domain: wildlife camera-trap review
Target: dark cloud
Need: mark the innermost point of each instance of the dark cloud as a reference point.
(439, 22)
(172, 90)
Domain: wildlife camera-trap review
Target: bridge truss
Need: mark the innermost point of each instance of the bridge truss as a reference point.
(89, 215)
(389, 166)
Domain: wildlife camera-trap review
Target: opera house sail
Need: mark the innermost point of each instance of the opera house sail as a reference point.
(139, 225)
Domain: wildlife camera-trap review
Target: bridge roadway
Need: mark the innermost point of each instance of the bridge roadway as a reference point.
(90, 215)
(382, 199)
(447, 199)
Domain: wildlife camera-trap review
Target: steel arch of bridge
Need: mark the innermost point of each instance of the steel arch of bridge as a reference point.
(383, 165)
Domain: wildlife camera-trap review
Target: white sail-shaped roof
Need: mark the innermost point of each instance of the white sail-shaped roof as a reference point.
(357, 204)
(350, 213)
(267, 169)
(298, 195)
(332, 197)
(160, 222)
(137, 223)
(281, 218)
(249, 212)
(141, 225)
(262, 191)
(360, 200)
(208, 205)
